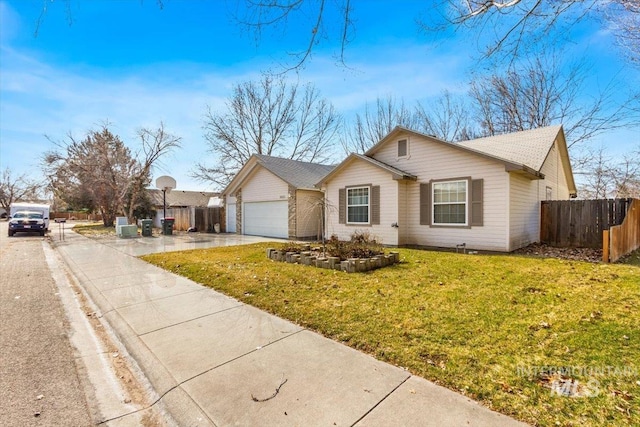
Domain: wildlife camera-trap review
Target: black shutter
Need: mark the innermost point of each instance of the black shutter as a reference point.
(476, 202)
(342, 206)
(375, 205)
(425, 204)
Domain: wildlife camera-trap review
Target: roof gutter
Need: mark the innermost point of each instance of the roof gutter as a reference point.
(513, 167)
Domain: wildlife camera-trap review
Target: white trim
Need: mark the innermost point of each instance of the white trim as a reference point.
(368, 187)
(465, 203)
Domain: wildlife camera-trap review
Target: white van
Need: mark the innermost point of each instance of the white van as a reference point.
(31, 207)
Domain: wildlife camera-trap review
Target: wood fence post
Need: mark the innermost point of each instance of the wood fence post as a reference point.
(605, 245)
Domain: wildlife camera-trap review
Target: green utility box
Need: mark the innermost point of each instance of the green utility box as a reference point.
(147, 225)
(167, 226)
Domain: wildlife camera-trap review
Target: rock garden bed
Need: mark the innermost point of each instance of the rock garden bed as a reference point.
(360, 254)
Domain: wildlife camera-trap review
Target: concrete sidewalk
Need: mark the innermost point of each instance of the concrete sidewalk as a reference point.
(214, 361)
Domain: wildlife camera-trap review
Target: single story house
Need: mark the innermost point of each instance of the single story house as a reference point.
(276, 197)
(414, 189)
(180, 204)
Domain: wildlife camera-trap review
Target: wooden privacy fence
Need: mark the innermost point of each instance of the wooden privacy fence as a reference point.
(182, 218)
(580, 223)
(207, 218)
(80, 216)
(622, 239)
(204, 219)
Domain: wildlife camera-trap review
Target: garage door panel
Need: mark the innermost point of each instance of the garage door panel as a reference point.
(266, 218)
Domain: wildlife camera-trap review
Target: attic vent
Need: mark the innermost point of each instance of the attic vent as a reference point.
(402, 148)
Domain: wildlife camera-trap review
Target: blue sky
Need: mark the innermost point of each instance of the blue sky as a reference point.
(134, 64)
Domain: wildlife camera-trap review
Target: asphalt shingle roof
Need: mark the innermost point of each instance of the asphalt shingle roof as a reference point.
(182, 198)
(529, 147)
(295, 172)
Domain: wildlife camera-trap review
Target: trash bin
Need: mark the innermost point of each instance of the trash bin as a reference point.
(147, 225)
(167, 226)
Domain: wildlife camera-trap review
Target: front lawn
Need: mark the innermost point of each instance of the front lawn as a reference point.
(490, 327)
(94, 229)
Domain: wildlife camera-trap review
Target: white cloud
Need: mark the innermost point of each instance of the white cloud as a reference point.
(39, 99)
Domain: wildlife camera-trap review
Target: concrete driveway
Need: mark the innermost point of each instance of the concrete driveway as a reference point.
(180, 241)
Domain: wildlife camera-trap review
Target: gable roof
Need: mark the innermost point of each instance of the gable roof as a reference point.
(300, 175)
(520, 152)
(395, 172)
(181, 197)
(509, 165)
(529, 147)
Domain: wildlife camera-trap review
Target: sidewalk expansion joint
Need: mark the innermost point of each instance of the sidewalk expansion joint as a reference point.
(381, 400)
(185, 321)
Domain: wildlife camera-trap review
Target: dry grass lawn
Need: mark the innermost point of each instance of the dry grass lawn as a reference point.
(485, 326)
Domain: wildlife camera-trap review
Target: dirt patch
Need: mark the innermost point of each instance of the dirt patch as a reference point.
(575, 254)
(135, 392)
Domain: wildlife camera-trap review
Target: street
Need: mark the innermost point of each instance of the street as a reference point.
(39, 382)
(58, 364)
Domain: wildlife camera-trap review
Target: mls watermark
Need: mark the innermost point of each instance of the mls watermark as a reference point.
(561, 380)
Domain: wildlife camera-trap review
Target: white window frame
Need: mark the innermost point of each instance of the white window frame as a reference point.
(465, 203)
(368, 205)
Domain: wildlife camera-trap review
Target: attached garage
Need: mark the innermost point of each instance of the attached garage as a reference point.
(276, 197)
(268, 219)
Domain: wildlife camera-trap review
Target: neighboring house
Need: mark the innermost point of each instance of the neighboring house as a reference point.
(414, 189)
(179, 202)
(276, 197)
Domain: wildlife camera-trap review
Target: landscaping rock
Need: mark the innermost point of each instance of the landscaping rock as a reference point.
(351, 265)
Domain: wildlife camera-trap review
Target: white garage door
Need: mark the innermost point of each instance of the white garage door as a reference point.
(266, 218)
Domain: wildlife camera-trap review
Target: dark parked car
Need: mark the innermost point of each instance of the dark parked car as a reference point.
(26, 221)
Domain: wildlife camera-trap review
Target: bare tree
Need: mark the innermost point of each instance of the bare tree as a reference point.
(270, 117)
(625, 175)
(258, 16)
(604, 176)
(446, 118)
(376, 122)
(624, 17)
(514, 26)
(596, 182)
(154, 144)
(17, 188)
(538, 93)
(101, 171)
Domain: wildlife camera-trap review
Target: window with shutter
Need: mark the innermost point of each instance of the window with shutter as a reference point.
(358, 205)
(449, 202)
(425, 204)
(477, 202)
(342, 206)
(375, 204)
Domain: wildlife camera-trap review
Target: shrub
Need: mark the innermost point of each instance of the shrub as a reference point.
(361, 245)
(291, 247)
